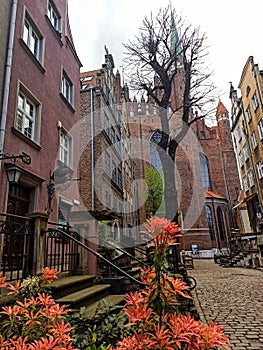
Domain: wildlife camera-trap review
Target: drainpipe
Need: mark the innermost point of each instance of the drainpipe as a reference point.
(92, 145)
(7, 73)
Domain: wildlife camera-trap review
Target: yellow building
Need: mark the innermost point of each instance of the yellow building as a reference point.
(247, 128)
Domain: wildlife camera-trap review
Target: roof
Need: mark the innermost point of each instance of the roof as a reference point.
(211, 194)
(220, 109)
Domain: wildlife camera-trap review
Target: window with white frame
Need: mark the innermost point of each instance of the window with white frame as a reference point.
(65, 153)
(260, 128)
(255, 101)
(240, 158)
(107, 163)
(32, 38)
(251, 178)
(54, 16)
(254, 139)
(245, 183)
(248, 114)
(67, 88)
(246, 152)
(260, 168)
(27, 113)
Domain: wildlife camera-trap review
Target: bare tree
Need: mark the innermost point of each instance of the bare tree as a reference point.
(155, 58)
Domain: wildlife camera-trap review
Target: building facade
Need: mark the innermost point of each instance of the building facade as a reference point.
(206, 175)
(42, 105)
(106, 163)
(247, 129)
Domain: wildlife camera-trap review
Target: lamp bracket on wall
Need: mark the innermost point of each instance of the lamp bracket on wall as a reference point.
(23, 156)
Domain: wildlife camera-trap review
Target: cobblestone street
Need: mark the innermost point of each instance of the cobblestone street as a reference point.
(233, 297)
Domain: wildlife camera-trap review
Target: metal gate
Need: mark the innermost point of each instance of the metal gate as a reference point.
(16, 242)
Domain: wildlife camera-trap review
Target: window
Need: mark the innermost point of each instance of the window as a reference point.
(155, 158)
(108, 200)
(114, 172)
(245, 183)
(210, 223)
(260, 169)
(221, 224)
(260, 128)
(240, 158)
(205, 176)
(147, 109)
(64, 210)
(113, 136)
(67, 88)
(248, 114)
(106, 124)
(246, 152)
(33, 39)
(120, 179)
(27, 113)
(54, 17)
(239, 134)
(65, 148)
(139, 109)
(254, 139)
(131, 112)
(107, 163)
(255, 101)
(108, 96)
(251, 178)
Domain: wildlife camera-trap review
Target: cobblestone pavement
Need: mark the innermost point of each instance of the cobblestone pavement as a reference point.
(233, 297)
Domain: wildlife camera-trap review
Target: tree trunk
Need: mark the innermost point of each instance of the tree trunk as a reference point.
(168, 165)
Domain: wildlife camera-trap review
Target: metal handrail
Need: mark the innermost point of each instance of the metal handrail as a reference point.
(135, 247)
(118, 248)
(98, 255)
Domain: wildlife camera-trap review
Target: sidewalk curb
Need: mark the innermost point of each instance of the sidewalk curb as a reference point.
(198, 307)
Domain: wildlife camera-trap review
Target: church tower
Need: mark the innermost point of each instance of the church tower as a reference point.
(228, 155)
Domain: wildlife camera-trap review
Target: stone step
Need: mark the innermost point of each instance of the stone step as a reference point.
(85, 297)
(70, 284)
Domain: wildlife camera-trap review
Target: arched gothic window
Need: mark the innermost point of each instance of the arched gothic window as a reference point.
(210, 223)
(155, 159)
(205, 175)
(221, 224)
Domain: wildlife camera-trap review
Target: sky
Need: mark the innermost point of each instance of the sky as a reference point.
(233, 29)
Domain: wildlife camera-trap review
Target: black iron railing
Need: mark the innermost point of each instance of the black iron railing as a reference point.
(54, 253)
(16, 239)
(61, 248)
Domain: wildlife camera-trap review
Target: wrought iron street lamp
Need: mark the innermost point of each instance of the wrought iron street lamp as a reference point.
(13, 172)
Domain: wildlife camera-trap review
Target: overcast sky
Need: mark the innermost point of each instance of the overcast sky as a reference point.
(234, 29)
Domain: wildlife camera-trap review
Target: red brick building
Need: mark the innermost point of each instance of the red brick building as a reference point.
(206, 174)
(42, 94)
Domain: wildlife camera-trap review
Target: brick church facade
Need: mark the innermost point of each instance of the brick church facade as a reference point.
(206, 173)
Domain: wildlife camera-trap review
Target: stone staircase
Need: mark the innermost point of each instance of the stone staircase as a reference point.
(77, 291)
